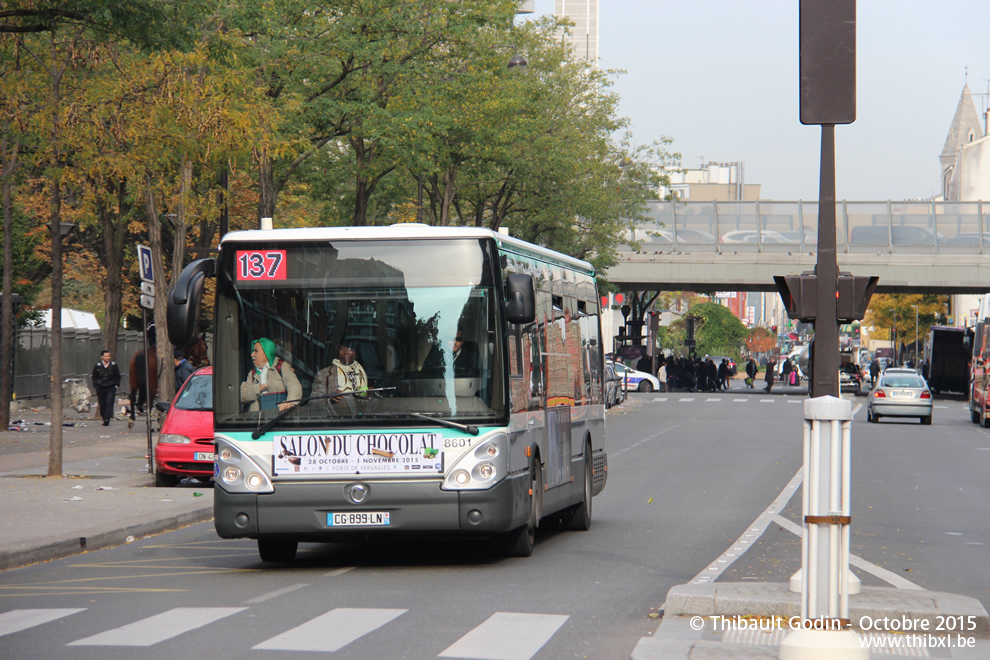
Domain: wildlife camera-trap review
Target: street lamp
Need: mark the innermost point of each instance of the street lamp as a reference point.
(915, 336)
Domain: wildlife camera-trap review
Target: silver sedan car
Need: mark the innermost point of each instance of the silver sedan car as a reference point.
(900, 393)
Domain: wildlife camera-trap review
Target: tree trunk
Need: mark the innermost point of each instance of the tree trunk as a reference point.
(266, 188)
(166, 367)
(114, 229)
(179, 250)
(449, 191)
(9, 164)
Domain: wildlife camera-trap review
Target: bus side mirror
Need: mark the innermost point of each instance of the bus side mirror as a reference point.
(520, 304)
(184, 301)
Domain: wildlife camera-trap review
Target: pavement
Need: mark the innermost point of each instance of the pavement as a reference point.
(106, 496)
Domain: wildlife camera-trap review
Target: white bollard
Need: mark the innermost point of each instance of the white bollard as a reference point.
(825, 543)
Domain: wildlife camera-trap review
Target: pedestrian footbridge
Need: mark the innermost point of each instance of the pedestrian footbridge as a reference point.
(917, 246)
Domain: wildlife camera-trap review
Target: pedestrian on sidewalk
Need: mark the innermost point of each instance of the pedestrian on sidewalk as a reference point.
(768, 376)
(183, 368)
(106, 380)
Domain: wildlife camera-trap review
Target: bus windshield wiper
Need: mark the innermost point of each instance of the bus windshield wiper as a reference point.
(267, 426)
(467, 428)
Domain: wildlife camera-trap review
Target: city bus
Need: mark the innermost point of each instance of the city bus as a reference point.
(424, 446)
(979, 401)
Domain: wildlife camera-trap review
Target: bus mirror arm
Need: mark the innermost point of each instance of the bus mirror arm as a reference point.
(183, 303)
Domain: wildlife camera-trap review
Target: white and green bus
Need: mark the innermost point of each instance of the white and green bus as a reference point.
(484, 438)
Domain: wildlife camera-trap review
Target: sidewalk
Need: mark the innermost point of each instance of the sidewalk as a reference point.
(105, 496)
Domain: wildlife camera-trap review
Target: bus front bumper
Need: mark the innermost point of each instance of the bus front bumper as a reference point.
(300, 510)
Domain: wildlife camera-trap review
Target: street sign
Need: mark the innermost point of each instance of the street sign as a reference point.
(148, 302)
(148, 288)
(144, 263)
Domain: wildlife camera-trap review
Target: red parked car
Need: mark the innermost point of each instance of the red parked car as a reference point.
(185, 444)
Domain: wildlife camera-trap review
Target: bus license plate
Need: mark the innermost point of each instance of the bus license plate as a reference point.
(205, 456)
(359, 519)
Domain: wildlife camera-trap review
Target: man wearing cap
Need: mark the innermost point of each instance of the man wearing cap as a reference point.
(183, 369)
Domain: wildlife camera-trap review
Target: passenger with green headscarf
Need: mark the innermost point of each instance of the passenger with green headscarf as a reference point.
(272, 383)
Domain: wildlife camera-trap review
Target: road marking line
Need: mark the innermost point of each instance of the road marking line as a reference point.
(660, 398)
(890, 578)
(507, 636)
(687, 399)
(767, 400)
(331, 631)
(17, 620)
(338, 571)
(739, 400)
(160, 627)
(752, 533)
(274, 594)
(717, 398)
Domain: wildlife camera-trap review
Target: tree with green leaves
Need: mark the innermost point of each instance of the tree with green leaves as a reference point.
(893, 312)
(717, 330)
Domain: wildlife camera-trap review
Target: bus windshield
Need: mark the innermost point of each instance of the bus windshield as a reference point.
(376, 330)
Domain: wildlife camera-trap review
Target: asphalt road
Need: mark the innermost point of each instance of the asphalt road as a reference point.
(687, 476)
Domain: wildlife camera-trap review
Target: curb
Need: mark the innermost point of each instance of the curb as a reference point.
(98, 539)
(776, 599)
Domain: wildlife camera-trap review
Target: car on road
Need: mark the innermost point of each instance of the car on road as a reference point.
(850, 377)
(614, 394)
(185, 445)
(640, 381)
(900, 393)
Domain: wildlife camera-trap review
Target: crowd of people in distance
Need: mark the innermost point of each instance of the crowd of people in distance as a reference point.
(697, 374)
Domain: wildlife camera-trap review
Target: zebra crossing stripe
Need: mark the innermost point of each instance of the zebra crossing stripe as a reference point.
(506, 636)
(331, 631)
(17, 620)
(160, 627)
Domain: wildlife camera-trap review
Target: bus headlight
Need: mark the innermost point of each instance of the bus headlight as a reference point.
(238, 472)
(480, 468)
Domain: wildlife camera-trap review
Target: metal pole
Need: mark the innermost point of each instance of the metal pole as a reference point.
(147, 390)
(826, 360)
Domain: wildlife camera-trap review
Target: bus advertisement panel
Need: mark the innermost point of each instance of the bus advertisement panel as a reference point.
(399, 380)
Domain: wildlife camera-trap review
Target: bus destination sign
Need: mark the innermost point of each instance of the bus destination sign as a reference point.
(260, 265)
(364, 453)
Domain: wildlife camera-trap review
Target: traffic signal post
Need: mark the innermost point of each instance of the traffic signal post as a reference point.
(828, 97)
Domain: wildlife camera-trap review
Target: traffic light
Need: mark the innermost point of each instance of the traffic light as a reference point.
(774, 329)
(852, 296)
(798, 293)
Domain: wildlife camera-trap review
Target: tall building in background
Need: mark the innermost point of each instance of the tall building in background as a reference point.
(584, 34)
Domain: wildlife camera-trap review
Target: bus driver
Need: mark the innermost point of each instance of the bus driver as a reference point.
(345, 374)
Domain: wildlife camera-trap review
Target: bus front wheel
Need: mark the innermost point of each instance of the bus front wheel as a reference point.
(520, 542)
(277, 550)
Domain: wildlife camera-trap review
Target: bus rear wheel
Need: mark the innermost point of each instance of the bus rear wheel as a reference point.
(277, 550)
(578, 517)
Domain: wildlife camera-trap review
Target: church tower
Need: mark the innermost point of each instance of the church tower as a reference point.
(965, 128)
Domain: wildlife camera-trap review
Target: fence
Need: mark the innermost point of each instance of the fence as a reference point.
(80, 352)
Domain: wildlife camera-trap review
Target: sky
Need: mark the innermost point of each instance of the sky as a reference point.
(721, 79)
